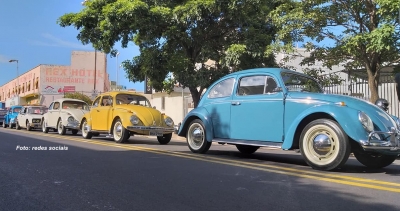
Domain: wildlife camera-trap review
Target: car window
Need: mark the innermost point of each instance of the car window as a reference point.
(17, 110)
(51, 106)
(132, 99)
(36, 110)
(106, 101)
(252, 85)
(96, 102)
(71, 104)
(300, 83)
(222, 89)
(56, 106)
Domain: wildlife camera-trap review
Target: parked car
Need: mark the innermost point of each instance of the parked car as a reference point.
(3, 112)
(286, 109)
(30, 117)
(11, 117)
(124, 114)
(64, 115)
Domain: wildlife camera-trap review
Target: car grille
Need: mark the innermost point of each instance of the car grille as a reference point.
(35, 120)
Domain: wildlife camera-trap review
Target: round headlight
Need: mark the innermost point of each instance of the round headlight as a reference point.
(71, 119)
(134, 120)
(169, 121)
(365, 121)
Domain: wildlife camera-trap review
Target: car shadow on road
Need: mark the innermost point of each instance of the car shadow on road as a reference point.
(150, 141)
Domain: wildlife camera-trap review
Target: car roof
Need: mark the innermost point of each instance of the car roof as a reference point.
(114, 93)
(64, 99)
(276, 70)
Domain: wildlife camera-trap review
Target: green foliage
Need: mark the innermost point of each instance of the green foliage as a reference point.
(364, 33)
(79, 96)
(175, 36)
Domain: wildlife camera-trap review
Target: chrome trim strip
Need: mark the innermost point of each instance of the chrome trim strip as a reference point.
(165, 129)
(250, 143)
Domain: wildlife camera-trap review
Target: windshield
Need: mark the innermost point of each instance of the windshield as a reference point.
(36, 110)
(300, 83)
(16, 110)
(75, 105)
(132, 99)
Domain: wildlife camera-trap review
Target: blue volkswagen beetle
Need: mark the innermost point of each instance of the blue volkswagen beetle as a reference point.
(286, 109)
(11, 116)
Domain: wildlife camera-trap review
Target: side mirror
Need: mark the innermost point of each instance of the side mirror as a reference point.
(154, 107)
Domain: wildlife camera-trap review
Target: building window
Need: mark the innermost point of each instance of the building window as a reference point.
(28, 87)
(163, 103)
(37, 83)
(0, 97)
(23, 88)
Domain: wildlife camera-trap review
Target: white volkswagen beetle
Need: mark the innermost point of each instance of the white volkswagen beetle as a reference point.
(64, 115)
(30, 117)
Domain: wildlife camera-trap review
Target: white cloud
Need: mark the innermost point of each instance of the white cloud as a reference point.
(3, 59)
(53, 41)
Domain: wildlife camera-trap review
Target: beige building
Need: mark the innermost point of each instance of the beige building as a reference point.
(43, 84)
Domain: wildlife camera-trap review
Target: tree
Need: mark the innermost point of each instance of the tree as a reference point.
(179, 37)
(79, 96)
(364, 33)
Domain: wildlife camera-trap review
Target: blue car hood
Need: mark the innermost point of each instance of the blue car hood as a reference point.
(373, 111)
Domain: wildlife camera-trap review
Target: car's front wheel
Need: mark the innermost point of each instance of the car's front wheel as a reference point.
(324, 145)
(85, 132)
(196, 137)
(44, 128)
(165, 139)
(120, 133)
(61, 128)
(28, 126)
(374, 160)
(247, 149)
(17, 126)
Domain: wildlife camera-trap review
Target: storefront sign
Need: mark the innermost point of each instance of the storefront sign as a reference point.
(52, 90)
(12, 101)
(72, 76)
(69, 89)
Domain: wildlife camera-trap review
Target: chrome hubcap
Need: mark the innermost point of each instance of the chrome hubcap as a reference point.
(117, 130)
(196, 136)
(322, 144)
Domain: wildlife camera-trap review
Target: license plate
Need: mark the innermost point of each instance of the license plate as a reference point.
(155, 133)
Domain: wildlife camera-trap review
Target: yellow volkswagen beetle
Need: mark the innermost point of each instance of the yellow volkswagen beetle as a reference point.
(123, 114)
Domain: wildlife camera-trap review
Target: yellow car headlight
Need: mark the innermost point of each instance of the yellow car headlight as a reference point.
(134, 119)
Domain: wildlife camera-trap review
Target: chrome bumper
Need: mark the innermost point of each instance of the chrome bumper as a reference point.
(373, 143)
(72, 126)
(163, 129)
(35, 125)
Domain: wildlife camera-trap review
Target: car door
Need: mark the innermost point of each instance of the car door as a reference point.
(54, 115)
(101, 115)
(218, 105)
(257, 109)
(22, 117)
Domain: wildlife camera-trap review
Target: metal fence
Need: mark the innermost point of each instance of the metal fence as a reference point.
(359, 88)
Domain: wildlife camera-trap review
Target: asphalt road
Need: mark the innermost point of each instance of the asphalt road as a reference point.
(99, 174)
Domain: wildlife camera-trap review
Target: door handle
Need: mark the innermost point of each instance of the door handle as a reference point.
(235, 103)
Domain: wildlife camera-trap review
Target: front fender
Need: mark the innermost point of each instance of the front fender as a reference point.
(204, 116)
(347, 118)
(88, 118)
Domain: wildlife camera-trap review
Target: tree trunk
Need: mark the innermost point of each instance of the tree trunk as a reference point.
(373, 87)
(195, 96)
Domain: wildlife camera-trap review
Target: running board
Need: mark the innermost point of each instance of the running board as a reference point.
(250, 143)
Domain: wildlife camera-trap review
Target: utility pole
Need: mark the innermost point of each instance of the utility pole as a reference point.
(95, 70)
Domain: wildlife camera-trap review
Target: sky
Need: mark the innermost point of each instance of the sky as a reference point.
(29, 33)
